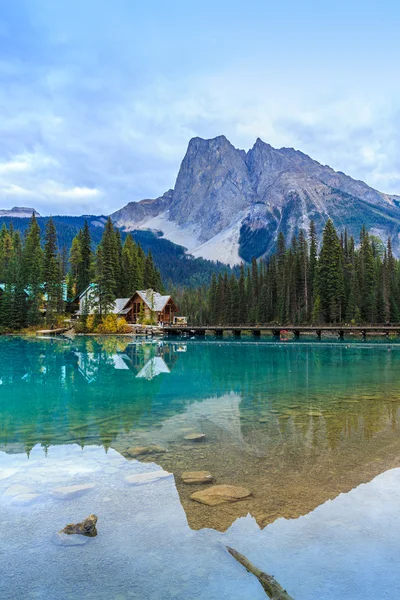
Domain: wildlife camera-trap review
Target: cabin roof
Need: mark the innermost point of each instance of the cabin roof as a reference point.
(154, 300)
(91, 286)
(120, 306)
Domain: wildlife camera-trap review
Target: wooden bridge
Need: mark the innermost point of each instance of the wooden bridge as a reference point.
(278, 331)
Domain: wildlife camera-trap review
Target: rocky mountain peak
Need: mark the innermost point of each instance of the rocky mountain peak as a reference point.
(229, 204)
(214, 168)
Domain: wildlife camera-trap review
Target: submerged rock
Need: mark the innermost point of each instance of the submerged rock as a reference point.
(86, 527)
(72, 491)
(144, 450)
(143, 478)
(17, 490)
(195, 437)
(218, 494)
(24, 499)
(197, 477)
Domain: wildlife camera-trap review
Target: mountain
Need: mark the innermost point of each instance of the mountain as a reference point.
(18, 212)
(230, 205)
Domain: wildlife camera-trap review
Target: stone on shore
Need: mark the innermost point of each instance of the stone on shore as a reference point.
(87, 527)
(195, 437)
(72, 491)
(197, 477)
(219, 494)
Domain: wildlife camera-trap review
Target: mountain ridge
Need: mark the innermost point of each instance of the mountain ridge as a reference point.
(19, 212)
(230, 205)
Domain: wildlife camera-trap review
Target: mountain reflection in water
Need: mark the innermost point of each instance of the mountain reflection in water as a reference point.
(347, 548)
(297, 424)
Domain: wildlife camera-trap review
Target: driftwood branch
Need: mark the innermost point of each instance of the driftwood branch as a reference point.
(269, 583)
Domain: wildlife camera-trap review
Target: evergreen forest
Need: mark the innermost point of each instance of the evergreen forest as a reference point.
(335, 280)
(339, 280)
(39, 283)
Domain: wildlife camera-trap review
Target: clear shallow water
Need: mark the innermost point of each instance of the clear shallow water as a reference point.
(298, 424)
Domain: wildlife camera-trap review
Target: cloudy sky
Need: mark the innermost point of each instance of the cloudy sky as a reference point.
(99, 98)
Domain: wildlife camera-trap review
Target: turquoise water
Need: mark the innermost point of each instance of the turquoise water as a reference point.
(311, 429)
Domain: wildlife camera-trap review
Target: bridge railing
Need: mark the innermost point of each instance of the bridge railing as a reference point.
(285, 325)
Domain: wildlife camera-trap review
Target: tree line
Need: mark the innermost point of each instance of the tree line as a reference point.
(343, 280)
(38, 281)
(340, 282)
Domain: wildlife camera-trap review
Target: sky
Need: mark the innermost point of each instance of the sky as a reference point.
(99, 98)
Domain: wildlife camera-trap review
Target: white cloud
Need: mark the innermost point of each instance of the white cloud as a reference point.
(28, 161)
(88, 130)
(54, 189)
(16, 190)
(14, 166)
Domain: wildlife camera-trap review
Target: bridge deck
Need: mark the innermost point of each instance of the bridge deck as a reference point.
(277, 329)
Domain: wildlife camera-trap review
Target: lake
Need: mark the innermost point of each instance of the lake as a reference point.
(310, 428)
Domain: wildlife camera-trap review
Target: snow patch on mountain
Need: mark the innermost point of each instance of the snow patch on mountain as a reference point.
(185, 236)
(224, 246)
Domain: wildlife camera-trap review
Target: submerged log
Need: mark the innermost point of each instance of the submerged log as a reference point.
(269, 583)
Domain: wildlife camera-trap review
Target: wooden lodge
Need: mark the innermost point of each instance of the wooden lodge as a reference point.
(151, 304)
(143, 305)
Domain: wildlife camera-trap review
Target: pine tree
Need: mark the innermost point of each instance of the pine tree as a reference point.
(213, 299)
(393, 287)
(234, 299)
(151, 275)
(242, 305)
(366, 277)
(313, 261)
(129, 268)
(32, 261)
(117, 261)
(330, 276)
(317, 318)
(84, 270)
(75, 260)
(19, 306)
(105, 271)
(303, 278)
(140, 267)
(280, 280)
(52, 274)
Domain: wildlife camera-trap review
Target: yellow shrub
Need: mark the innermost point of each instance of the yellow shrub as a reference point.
(108, 325)
(122, 326)
(90, 323)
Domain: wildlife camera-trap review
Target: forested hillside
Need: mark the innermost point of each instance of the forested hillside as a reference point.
(176, 266)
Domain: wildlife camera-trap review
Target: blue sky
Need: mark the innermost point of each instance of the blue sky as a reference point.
(99, 98)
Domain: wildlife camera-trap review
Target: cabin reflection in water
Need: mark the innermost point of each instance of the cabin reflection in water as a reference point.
(145, 360)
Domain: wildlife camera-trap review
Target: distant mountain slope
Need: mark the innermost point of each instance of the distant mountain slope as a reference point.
(229, 204)
(175, 265)
(19, 212)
